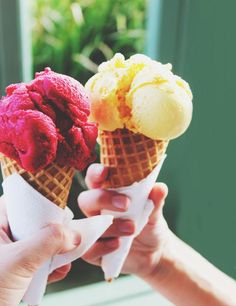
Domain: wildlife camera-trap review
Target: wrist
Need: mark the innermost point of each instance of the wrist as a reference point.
(163, 267)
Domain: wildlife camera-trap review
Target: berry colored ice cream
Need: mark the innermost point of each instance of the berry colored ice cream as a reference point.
(45, 121)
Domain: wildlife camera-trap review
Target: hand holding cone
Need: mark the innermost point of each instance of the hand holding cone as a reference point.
(44, 137)
(139, 105)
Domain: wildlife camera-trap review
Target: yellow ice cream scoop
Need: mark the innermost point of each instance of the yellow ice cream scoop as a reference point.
(141, 95)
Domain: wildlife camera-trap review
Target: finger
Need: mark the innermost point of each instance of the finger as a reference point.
(157, 195)
(93, 201)
(4, 239)
(3, 216)
(96, 175)
(33, 252)
(59, 274)
(120, 227)
(101, 248)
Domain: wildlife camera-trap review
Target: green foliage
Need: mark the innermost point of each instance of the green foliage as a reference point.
(73, 37)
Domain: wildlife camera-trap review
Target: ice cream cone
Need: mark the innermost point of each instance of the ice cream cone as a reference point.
(53, 182)
(139, 106)
(129, 156)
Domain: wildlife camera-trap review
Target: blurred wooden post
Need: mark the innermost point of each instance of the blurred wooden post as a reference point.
(15, 42)
(154, 19)
(165, 26)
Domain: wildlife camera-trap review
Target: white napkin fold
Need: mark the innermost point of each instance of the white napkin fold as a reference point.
(139, 211)
(28, 211)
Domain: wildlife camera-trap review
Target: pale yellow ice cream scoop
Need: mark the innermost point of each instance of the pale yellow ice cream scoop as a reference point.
(141, 95)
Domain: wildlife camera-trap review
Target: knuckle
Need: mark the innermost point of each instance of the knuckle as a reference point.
(85, 200)
(57, 232)
(89, 175)
(87, 181)
(82, 197)
(164, 189)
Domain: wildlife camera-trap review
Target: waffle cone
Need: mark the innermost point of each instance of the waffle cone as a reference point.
(129, 156)
(53, 182)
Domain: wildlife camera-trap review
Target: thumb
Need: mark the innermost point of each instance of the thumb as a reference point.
(158, 195)
(30, 254)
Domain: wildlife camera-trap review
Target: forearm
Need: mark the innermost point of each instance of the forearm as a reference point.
(185, 278)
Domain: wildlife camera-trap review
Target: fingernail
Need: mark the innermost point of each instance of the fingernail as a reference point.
(76, 238)
(126, 227)
(120, 201)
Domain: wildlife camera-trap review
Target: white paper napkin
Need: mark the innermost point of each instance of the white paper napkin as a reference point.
(139, 211)
(28, 211)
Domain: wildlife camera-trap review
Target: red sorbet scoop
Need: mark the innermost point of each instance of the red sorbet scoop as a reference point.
(45, 121)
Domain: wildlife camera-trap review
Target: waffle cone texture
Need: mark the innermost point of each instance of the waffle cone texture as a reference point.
(53, 182)
(129, 156)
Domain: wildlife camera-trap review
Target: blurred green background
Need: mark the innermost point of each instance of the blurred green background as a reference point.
(198, 38)
(73, 37)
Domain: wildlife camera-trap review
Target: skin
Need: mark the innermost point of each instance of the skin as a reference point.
(147, 245)
(20, 260)
(157, 256)
(160, 258)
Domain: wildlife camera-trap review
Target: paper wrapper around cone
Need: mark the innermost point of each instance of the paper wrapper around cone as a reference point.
(30, 202)
(29, 211)
(134, 162)
(53, 182)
